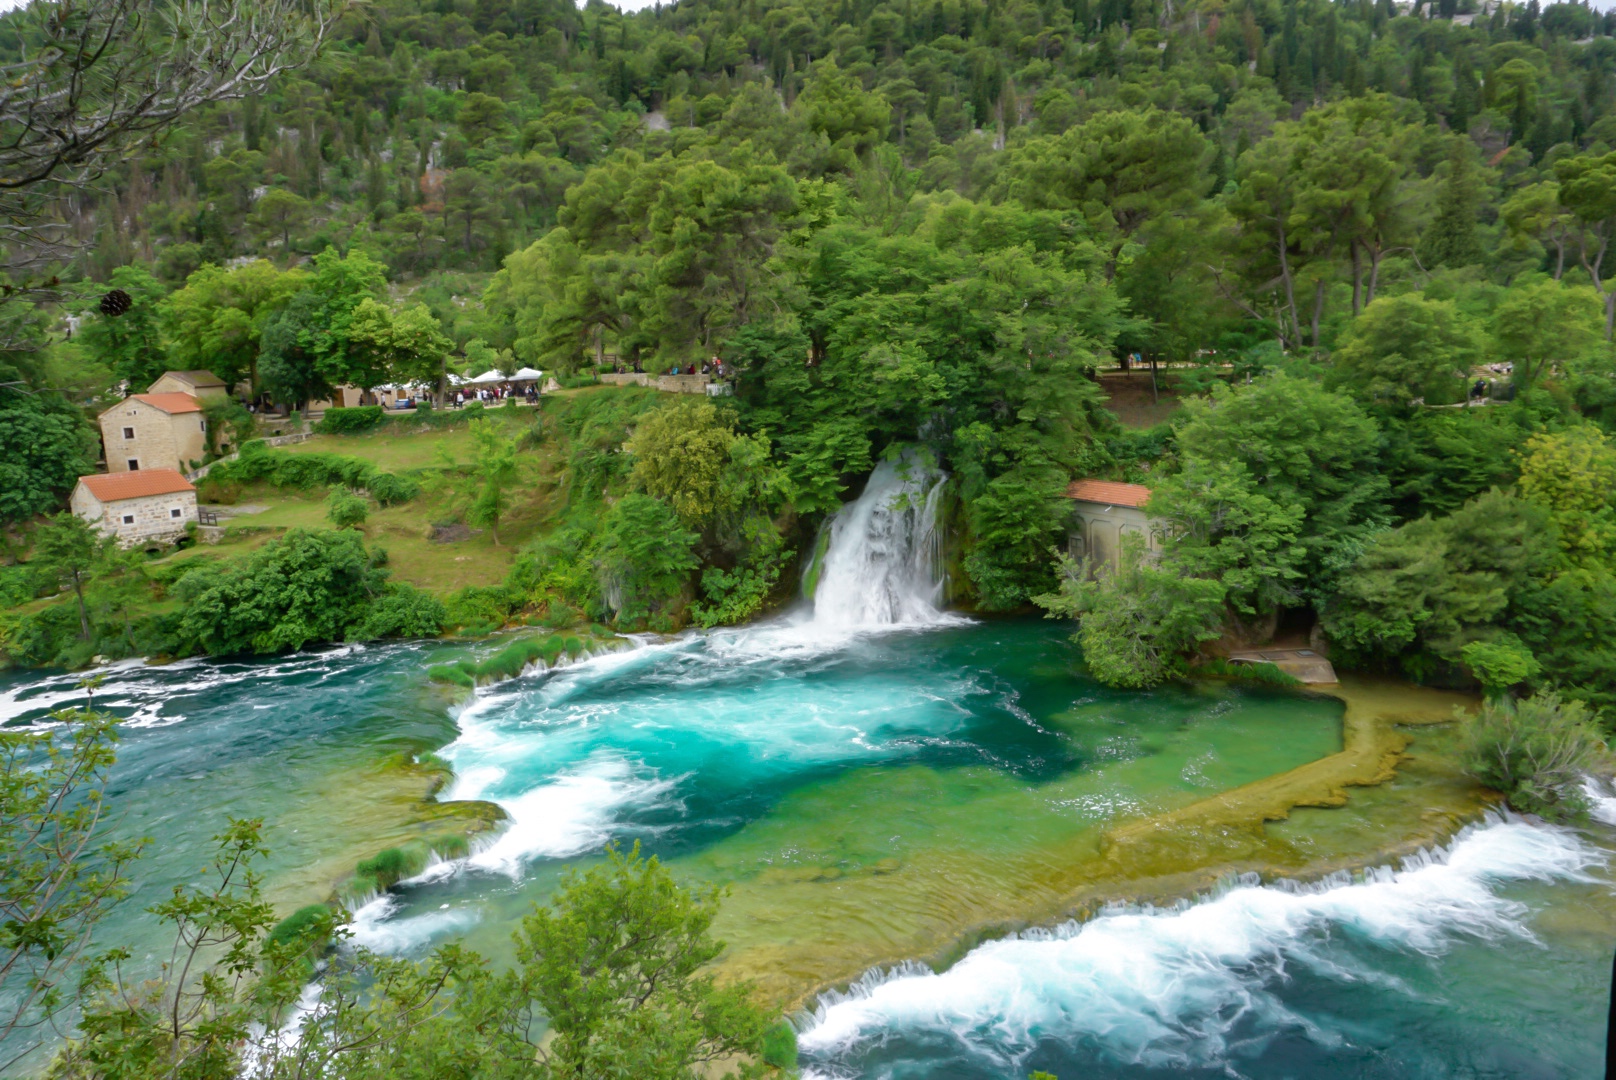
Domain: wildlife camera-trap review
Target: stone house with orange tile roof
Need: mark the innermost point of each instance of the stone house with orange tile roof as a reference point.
(144, 507)
(154, 431)
(1103, 512)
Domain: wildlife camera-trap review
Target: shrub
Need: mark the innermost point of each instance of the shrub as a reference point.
(644, 556)
(306, 587)
(307, 921)
(20, 584)
(306, 472)
(1138, 625)
(451, 674)
(1500, 665)
(1536, 752)
(403, 611)
(390, 489)
(345, 508)
(510, 661)
(482, 606)
(38, 638)
(350, 421)
(780, 1047)
(389, 866)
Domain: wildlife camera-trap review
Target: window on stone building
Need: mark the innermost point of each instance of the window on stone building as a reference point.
(174, 513)
(134, 464)
(129, 433)
(129, 519)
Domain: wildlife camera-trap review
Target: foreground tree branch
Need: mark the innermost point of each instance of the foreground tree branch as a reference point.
(91, 83)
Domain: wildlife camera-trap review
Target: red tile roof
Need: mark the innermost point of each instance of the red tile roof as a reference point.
(115, 487)
(1105, 491)
(171, 403)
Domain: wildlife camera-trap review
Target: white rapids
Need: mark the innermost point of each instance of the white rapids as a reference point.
(1167, 988)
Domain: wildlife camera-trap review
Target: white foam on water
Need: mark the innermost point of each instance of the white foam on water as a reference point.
(571, 814)
(1167, 988)
(144, 692)
(264, 1048)
(1601, 802)
(374, 926)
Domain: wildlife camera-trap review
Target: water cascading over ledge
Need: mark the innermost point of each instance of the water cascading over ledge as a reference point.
(882, 561)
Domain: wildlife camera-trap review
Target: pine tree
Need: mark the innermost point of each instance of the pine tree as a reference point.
(1450, 239)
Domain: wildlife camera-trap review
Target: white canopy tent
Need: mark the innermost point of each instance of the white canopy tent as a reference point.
(489, 376)
(527, 374)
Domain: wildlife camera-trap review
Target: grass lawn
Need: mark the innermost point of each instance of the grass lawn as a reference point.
(402, 447)
(405, 531)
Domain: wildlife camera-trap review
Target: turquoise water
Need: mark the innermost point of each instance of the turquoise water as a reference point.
(859, 792)
(869, 798)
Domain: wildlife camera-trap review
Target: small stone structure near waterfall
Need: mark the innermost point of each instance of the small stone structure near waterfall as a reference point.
(1305, 665)
(1103, 512)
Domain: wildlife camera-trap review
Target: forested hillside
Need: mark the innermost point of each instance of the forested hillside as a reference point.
(929, 223)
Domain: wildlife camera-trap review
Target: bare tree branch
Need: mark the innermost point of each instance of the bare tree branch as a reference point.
(88, 84)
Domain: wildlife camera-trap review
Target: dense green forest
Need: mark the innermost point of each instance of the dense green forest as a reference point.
(929, 224)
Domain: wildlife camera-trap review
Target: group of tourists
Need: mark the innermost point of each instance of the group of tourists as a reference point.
(714, 367)
(490, 395)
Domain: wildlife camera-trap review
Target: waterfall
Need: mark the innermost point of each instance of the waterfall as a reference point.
(882, 562)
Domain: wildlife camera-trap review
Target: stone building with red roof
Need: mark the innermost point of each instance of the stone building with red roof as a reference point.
(149, 506)
(1103, 512)
(160, 429)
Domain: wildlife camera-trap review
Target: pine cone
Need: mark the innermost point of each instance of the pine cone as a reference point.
(115, 303)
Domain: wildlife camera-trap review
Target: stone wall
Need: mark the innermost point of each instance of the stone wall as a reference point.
(627, 378)
(154, 520)
(161, 440)
(683, 384)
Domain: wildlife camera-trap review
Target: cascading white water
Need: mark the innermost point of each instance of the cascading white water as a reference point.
(882, 564)
(1193, 986)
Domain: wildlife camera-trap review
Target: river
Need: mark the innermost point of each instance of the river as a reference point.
(925, 824)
